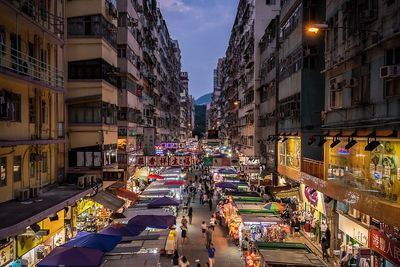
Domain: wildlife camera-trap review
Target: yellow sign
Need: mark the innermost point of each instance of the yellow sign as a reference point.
(6, 254)
(26, 243)
(84, 205)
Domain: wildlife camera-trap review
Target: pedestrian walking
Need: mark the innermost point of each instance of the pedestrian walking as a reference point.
(211, 255)
(183, 262)
(203, 228)
(245, 246)
(297, 225)
(190, 214)
(324, 246)
(208, 237)
(184, 231)
(210, 204)
(175, 259)
(212, 223)
(184, 221)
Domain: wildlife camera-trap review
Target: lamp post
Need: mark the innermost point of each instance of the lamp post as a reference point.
(317, 27)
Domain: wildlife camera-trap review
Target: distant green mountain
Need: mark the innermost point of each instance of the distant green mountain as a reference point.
(203, 100)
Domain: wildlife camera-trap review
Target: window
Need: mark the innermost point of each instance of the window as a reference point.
(3, 171)
(32, 110)
(32, 165)
(393, 56)
(10, 106)
(43, 110)
(17, 168)
(44, 162)
(392, 87)
(336, 93)
(95, 69)
(94, 25)
(270, 2)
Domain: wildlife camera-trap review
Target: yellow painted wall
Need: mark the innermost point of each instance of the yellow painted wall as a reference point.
(26, 243)
(81, 136)
(10, 191)
(90, 48)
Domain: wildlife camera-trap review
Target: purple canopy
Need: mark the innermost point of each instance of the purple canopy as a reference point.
(153, 221)
(98, 241)
(226, 185)
(122, 230)
(72, 257)
(162, 202)
(227, 171)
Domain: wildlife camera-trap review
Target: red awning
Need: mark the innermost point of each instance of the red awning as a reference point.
(126, 194)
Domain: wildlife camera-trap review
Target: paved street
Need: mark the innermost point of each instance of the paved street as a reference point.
(227, 254)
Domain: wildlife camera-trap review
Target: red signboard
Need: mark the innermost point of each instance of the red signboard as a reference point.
(163, 161)
(140, 161)
(381, 244)
(152, 161)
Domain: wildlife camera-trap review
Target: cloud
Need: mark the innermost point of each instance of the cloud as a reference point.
(174, 5)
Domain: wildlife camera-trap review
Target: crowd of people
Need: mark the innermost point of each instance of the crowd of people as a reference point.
(201, 187)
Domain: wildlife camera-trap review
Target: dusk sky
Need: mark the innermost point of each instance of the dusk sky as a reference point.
(202, 28)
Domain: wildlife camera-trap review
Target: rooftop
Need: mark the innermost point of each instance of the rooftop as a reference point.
(15, 216)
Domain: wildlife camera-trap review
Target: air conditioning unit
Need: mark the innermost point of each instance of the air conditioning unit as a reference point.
(81, 182)
(23, 194)
(34, 192)
(390, 71)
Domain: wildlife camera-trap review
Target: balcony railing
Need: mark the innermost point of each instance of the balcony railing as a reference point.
(25, 65)
(313, 167)
(42, 16)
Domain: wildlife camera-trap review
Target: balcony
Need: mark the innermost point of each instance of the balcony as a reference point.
(41, 16)
(30, 68)
(313, 167)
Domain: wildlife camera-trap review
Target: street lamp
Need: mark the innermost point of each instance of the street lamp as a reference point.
(315, 28)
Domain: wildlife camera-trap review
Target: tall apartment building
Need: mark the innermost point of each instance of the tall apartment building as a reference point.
(130, 101)
(300, 97)
(185, 106)
(361, 117)
(92, 97)
(242, 72)
(33, 188)
(267, 94)
(215, 106)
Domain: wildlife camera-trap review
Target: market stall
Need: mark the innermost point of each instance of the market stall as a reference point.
(261, 227)
(282, 254)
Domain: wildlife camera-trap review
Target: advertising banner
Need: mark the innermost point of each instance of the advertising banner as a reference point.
(386, 247)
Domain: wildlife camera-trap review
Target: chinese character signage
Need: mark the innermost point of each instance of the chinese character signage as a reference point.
(165, 161)
(140, 161)
(388, 248)
(152, 161)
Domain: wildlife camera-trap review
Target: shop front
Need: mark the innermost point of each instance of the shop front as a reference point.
(386, 251)
(353, 239)
(261, 227)
(289, 157)
(314, 212)
(37, 243)
(376, 172)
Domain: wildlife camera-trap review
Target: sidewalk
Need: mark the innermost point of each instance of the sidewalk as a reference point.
(227, 254)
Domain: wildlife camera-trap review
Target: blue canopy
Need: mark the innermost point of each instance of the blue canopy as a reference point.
(153, 221)
(226, 185)
(162, 202)
(227, 171)
(122, 230)
(98, 241)
(63, 256)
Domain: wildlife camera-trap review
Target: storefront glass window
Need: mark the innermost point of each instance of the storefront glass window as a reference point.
(376, 172)
(289, 153)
